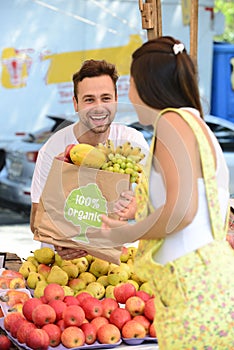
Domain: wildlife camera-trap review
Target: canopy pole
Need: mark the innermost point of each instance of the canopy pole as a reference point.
(151, 17)
(194, 29)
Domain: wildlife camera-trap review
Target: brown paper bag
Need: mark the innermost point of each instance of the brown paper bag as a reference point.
(71, 203)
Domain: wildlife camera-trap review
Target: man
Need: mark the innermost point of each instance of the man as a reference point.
(95, 100)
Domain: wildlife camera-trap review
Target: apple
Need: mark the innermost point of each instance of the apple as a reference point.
(108, 305)
(54, 332)
(53, 291)
(15, 325)
(150, 310)
(71, 300)
(92, 307)
(108, 334)
(133, 329)
(5, 342)
(123, 291)
(144, 321)
(24, 330)
(61, 324)
(99, 321)
(43, 314)
(152, 331)
(135, 305)
(90, 332)
(59, 306)
(38, 339)
(10, 318)
(28, 307)
(119, 317)
(73, 315)
(72, 337)
(143, 295)
(82, 295)
(67, 153)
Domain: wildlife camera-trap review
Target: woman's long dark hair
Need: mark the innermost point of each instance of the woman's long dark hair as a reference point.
(164, 79)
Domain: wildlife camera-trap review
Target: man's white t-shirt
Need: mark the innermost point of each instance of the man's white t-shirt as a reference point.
(57, 143)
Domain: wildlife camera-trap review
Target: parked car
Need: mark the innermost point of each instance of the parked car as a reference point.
(20, 158)
(17, 162)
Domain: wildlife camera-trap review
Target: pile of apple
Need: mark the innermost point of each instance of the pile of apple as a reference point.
(74, 321)
(93, 275)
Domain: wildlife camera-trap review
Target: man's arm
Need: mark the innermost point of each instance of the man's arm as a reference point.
(34, 207)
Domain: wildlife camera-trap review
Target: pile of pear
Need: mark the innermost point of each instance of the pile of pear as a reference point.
(85, 274)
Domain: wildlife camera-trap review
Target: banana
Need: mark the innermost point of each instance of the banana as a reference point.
(110, 144)
(135, 151)
(101, 147)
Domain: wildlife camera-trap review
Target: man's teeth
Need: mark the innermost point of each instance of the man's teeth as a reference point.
(98, 117)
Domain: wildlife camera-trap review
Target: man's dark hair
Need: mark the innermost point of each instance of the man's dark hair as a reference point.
(94, 68)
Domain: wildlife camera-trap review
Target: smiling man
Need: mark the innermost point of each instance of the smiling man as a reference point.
(95, 101)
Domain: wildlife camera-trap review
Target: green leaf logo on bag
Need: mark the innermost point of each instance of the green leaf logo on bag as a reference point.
(84, 207)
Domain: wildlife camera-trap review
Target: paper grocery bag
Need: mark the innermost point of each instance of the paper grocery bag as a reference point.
(71, 204)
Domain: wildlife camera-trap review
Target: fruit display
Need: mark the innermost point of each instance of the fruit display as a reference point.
(123, 159)
(80, 321)
(88, 274)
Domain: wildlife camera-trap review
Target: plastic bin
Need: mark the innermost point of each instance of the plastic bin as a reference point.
(222, 94)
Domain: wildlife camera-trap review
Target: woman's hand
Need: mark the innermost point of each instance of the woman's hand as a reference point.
(70, 253)
(108, 223)
(125, 207)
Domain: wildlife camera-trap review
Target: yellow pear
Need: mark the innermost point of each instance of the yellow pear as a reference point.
(136, 285)
(146, 287)
(110, 292)
(103, 280)
(26, 268)
(117, 275)
(96, 289)
(39, 290)
(67, 290)
(99, 267)
(82, 263)
(33, 260)
(44, 255)
(33, 279)
(70, 268)
(57, 260)
(87, 277)
(57, 275)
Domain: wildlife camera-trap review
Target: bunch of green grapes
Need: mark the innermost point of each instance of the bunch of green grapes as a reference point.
(123, 159)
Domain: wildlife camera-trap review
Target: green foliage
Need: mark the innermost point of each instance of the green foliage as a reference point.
(227, 8)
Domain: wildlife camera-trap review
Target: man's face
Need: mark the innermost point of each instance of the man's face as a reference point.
(96, 103)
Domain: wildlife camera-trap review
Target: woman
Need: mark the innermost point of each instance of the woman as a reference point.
(183, 251)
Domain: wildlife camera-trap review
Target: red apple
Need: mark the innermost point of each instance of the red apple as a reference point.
(59, 306)
(143, 295)
(92, 307)
(54, 291)
(133, 329)
(135, 305)
(73, 315)
(90, 332)
(61, 324)
(72, 337)
(23, 331)
(54, 332)
(123, 291)
(38, 339)
(43, 314)
(28, 307)
(5, 342)
(108, 334)
(144, 321)
(99, 321)
(67, 153)
(119, 317)
(150, 310)
(108, 305)
(152, 331)
(15, 325)
(82, 295)
(71, 300)
(10, 318)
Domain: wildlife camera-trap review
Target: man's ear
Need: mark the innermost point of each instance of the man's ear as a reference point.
(75, 104)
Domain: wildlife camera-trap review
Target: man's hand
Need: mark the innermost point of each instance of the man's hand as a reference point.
(70, 253)
(125, 207)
